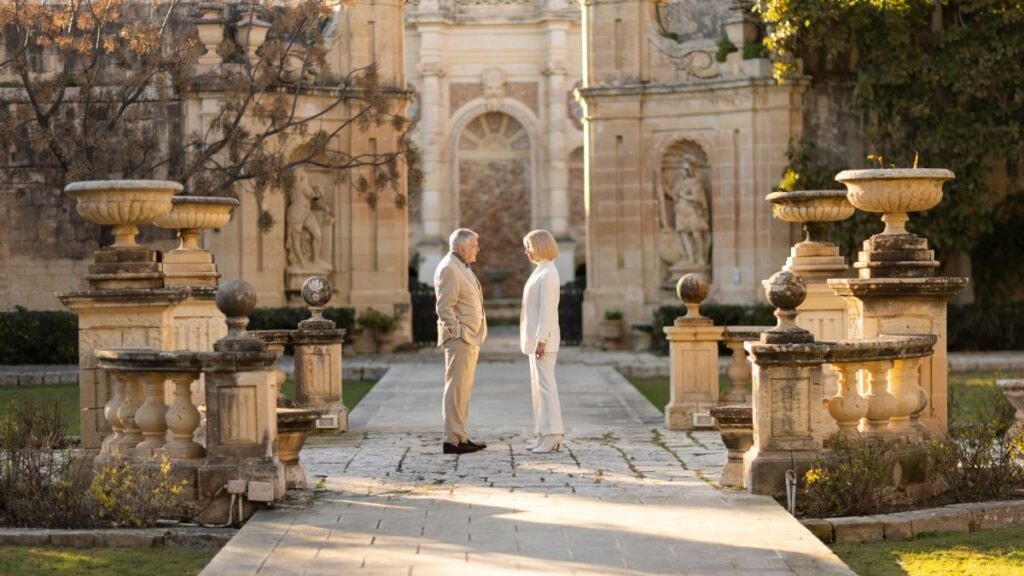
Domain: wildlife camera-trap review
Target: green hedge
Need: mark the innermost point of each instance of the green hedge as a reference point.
(289, 318)
(38, 337)
(971, 327)
(722, 314)
(986, 326)
(51, 337)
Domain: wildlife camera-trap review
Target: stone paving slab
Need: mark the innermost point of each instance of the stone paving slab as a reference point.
(624, 496)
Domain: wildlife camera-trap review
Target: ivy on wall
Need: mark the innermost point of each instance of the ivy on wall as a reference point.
(937, 77)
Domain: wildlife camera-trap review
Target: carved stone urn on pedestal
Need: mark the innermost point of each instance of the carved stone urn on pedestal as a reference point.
(189, 264)
(124, 205)
(815, 256)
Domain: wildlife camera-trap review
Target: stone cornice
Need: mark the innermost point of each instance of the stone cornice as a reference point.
(125, 297)
(909, 288)
(713, 85)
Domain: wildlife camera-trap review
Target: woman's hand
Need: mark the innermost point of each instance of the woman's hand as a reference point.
(540, 349)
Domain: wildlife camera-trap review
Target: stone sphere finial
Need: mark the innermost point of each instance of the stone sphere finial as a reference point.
(236, 299)
(692, 289)
(317, 292)
(785, 291)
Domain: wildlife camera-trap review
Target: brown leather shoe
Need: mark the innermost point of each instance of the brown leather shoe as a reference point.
(460, 448)
(478, 445)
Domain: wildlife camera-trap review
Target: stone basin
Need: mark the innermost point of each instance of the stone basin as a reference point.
(736, 426)
(193, 213)
(811, 205)
(1013, 389)
(895, 192)
(293, 425)
(123, 204)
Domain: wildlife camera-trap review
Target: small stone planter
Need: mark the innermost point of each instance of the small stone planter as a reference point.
(123, 204)
(736, 425)
(1013, 389)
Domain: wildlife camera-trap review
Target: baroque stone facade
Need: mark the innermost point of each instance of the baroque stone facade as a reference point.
(682, 150)
(496, 128)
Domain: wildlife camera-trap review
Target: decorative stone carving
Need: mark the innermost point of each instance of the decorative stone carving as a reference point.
(685, 211)
(306, 219)
(493, 83)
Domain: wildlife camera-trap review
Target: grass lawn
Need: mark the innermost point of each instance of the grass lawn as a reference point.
(983, 553)
(973, 395)
(26, 561)
(67, 398)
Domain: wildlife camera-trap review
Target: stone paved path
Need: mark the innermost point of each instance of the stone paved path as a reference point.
(624, 496)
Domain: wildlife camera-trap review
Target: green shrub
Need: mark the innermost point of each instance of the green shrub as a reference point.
(986, 326)
(613, 315)
(38, 337)
(850, 479)
(285, 318)
(979, 461)
(754, 50)
(379, 322)
(725, 47)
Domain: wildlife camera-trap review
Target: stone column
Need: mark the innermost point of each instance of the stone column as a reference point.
(557, 154)
(693, 358)
(433, 245)
(786, 389)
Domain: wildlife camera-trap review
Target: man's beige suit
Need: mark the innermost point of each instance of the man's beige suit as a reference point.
(461, 329)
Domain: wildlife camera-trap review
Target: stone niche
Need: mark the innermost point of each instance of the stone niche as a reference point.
(684, 210)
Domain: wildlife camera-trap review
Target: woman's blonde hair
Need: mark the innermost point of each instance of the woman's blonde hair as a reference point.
(542, 243)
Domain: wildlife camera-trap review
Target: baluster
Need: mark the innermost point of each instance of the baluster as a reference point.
(847, 406)
(117, 394)
(131, 434)
(903, 383)
(881, 403)
(739, 374)
(151, 416)
(182, 419)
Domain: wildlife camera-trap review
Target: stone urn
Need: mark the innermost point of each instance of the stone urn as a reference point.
(192, 214)
(895, 252)
(814, 256)
(123, 204)
(894, 192)
(736, 425)
(1013, 389)
(293, 426)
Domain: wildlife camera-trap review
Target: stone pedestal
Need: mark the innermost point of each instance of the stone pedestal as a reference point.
(735, 424)
(318, 376)
(693, 371)
(190, 268)
(787, 394)
(907, 306)
(241, 427)
(127, 318)
(126, 268)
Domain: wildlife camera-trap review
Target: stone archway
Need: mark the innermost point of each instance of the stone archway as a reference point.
(495, 175)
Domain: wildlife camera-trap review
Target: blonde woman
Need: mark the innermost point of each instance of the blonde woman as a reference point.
(539, 338)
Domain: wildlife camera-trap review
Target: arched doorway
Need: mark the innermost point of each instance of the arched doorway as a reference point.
(495, 185)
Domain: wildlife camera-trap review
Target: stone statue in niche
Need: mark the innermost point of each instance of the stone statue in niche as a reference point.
(306, 219)
(684, 241)
(691, 214)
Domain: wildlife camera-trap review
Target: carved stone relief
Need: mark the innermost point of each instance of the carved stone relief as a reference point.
(685, 210)
(308, 222)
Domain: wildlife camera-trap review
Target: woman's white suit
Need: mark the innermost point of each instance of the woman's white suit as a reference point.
(538, 322)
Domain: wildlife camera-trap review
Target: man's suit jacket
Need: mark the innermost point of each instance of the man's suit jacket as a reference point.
(538, 317)
(460, 302)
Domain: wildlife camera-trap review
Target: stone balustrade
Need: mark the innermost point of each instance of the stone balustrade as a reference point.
(739, 368)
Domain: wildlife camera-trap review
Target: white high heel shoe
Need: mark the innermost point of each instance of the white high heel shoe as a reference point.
(535, 443)
(550, 443)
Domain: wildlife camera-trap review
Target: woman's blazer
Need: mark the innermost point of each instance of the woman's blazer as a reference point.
(538, 317)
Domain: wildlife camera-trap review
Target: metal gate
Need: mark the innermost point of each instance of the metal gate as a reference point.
(424, 315)
(570, 313)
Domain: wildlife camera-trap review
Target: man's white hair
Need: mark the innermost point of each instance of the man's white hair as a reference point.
(459, 237)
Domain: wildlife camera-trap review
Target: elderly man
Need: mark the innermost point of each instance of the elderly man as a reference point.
(461, 329)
